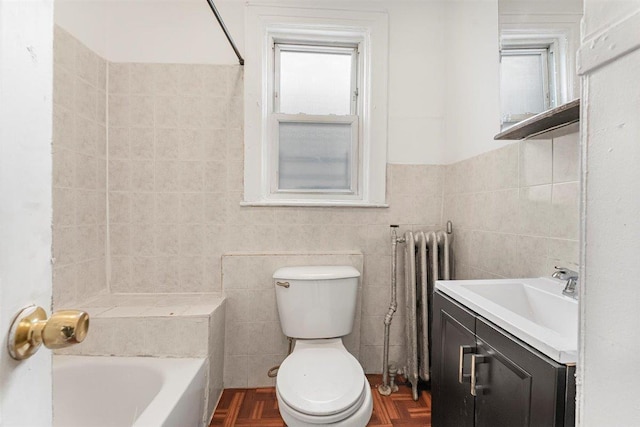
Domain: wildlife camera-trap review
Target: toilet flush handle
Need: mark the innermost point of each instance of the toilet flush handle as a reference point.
(283, 284)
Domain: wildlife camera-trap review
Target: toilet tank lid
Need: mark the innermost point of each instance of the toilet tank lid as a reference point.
(316, 272)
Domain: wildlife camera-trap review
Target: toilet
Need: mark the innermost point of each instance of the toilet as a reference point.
(320, 382)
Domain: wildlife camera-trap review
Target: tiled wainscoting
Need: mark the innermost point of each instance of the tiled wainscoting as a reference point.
(515, 210)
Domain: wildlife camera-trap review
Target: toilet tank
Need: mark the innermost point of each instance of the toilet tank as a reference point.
(319, 301)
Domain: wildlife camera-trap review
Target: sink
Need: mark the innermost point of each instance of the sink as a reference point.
(533, 310)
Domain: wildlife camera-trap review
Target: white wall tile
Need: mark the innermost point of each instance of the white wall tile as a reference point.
(566, 158)
(236, 371)
(141, 143)
(502, 223)
(565, 205)
(258, 366)
(64, 49)
(119, 78)
(535, 210)
(141, 78)
(143, 210)
(141, 110)
(535, 162)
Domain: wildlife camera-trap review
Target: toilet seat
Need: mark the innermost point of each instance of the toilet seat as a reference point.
(321, 379)
(288, 413)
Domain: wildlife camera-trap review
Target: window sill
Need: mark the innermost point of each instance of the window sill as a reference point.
(315, 203)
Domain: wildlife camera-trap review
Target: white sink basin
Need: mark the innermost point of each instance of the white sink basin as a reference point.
(533, 310)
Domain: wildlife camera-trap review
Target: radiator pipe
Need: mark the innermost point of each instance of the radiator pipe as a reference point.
(385, 389)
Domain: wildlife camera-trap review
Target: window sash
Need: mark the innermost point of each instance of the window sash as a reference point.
(336, 48)
(547, 76)
(274, 151)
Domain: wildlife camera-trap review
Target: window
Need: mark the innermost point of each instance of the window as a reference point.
(315, 119)
(528, 83)
(315, 107)
(534, 70)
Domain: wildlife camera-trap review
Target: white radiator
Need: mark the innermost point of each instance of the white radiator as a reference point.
(426, 260)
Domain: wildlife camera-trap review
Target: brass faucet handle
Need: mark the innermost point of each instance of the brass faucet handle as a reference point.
(30, 329)
(65, 328)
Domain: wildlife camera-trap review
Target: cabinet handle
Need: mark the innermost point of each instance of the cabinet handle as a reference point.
(464, 349)
(475, 360)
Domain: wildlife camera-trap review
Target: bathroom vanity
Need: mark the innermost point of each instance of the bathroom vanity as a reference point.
(484, 373)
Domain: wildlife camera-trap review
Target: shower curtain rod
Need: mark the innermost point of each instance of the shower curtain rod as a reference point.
(226, 32)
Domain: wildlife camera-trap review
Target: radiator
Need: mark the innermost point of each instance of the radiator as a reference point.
(426, 260)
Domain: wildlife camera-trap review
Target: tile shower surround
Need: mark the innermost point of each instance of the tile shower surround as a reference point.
(175, 180)
(79, 171)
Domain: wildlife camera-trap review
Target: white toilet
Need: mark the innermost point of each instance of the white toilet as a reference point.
(320, 382)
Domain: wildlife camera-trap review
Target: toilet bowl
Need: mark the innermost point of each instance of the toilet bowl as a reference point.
(320, 382)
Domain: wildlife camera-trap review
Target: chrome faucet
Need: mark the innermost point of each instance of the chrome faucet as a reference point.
(571, 287)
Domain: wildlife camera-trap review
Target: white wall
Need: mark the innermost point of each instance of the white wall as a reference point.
(417, 90)
(610, 297)
(443, 68)
(86, 20)
(175, 31)
(472, 69)
(599, 15)
(26, 79)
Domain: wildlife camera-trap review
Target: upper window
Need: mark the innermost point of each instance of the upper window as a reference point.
(533, 73)
(314, 79)
(315, 97)
(527, 81)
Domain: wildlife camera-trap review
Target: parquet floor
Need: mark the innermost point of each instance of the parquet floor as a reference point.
(258, 407)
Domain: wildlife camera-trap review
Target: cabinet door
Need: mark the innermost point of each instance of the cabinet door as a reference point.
(515, 385)
(453, 344)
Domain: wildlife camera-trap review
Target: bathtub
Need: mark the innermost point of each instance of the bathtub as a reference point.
(128, 391)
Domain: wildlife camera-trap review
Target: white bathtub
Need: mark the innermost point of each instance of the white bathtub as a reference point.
(128, 391)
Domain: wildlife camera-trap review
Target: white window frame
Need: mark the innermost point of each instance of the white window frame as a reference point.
(267, 26)
(561, 36)
(278, 117)
(547, 50)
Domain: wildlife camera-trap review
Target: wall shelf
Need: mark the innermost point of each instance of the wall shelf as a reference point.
(558, 121)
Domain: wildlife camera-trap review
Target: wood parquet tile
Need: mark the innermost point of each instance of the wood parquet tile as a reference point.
(258, 407)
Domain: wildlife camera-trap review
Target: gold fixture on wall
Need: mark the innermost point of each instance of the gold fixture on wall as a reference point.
(30, 329)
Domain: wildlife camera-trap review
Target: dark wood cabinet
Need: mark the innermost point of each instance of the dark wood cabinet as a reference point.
(453, 343)
(485, 377)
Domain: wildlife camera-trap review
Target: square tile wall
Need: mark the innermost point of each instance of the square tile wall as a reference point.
(515, 210)
(176, 180)
(175, 148)
(79, 171)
